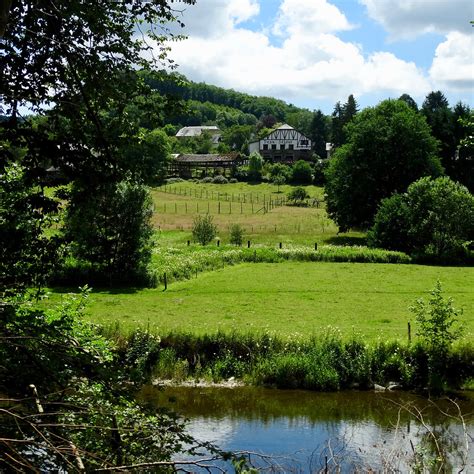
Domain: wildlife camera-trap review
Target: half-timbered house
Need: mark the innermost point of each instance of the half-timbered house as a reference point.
(285, 144)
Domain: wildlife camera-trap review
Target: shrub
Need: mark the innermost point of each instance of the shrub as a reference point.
(433, 220)
(233, 180)
(206, 179)
(219, 179)
(437, 331)
(301, 173)
(204, 230)
(298, 195)
(236, 234)
(280, 169)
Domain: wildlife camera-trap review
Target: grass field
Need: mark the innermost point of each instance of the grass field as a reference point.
(177, 205)
(289, 298)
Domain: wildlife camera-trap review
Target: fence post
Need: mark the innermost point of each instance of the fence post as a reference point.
(218, 242)
(176, 208)
(280, 245)
(409, 332)
(218, 207)
(189, 243)
(186, 207)
(241, 208)
(315, 246)
(248, 244)
(165, 282)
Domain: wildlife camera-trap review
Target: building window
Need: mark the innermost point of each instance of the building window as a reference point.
(265, 146)
(291, 146)
(304, 142)
(274, 147)
(277, 158)
(282, 146)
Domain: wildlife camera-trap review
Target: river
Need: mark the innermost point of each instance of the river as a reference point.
(303, 431)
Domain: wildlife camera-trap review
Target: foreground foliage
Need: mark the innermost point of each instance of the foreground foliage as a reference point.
(70, 401)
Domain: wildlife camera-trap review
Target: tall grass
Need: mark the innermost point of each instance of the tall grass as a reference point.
(324, 363)
(182, 263)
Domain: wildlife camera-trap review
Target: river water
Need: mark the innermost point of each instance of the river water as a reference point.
(305, 431)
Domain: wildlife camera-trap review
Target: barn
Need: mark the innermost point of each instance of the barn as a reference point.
(284, 144)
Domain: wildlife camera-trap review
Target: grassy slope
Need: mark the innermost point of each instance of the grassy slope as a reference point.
(286, 224)
(289, 298)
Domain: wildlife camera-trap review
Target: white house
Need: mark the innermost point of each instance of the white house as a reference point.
(285, 144)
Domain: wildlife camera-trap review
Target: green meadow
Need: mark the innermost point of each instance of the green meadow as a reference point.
(290, 298)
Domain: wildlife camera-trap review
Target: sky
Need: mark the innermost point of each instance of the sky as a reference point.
(313, 53)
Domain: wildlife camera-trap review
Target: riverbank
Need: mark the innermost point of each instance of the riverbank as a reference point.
(323, 363)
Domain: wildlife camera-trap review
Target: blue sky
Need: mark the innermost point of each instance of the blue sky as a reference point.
(315, 52)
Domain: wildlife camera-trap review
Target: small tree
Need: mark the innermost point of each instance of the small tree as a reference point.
(278, 180)
(437, 330)
(298, 195)
(236, 234)
(204, 230)
(302, 173)
(255, 166)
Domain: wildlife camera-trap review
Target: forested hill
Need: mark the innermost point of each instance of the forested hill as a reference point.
(251, 108)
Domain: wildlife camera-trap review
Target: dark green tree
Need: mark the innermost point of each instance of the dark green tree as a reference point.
(238, 137)
(319, 133)
(409, 101)
(337, 125)
(110, 229)
(350, 109)
(463, 166)
(440, 118)
(389, 146)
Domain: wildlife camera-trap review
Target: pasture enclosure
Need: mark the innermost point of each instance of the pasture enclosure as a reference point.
(263, 213)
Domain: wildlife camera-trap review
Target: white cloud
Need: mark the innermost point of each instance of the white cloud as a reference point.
(309, 17)
(210, 18)
(410, 18)
(453, 64)
(311, 62)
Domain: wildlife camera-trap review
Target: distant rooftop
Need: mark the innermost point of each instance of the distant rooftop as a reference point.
(196, 131)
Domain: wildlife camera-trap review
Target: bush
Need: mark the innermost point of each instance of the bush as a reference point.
(301, 173)
(219, 179)
(298, 195)
(233, 180)
(433, 220)
(437, 331)
(236, 234)
(206, 179)
(279, 169)
(204, 230)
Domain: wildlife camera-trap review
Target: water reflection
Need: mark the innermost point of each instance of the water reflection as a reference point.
(305, 431)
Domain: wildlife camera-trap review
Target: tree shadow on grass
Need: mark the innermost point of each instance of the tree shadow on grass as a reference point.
(116, 290)
(343, 240)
